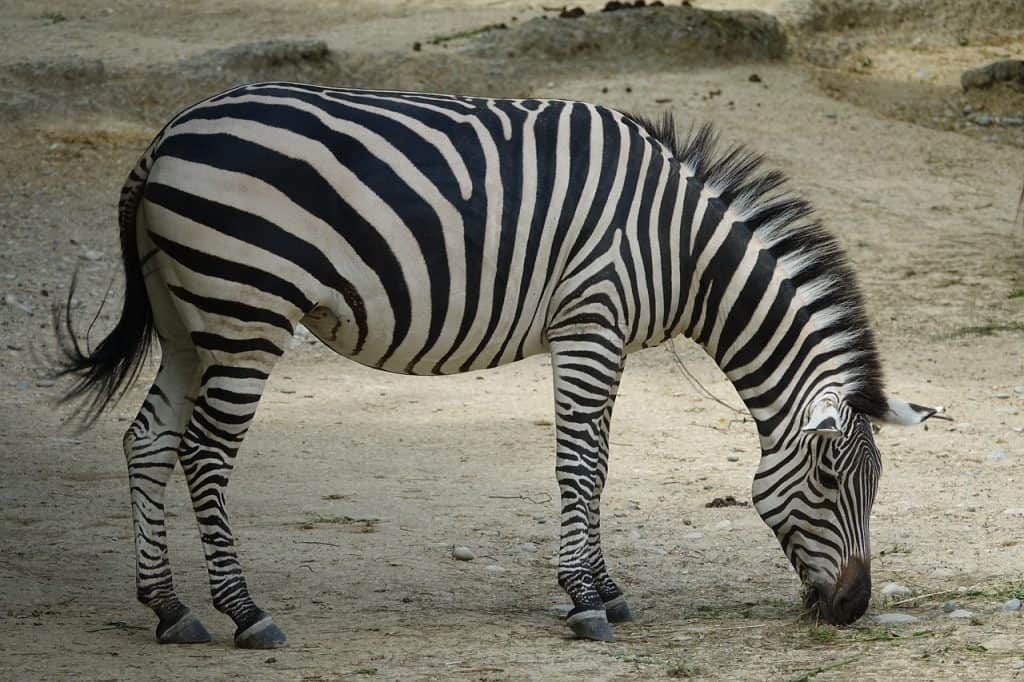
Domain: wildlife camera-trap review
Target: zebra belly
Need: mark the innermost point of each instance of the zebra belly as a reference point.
(337, 328)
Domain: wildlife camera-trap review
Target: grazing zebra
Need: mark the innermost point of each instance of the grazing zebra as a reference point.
(431, 234)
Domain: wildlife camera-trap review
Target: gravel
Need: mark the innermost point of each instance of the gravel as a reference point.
(895, 618)
(463, 554)
(895, 590)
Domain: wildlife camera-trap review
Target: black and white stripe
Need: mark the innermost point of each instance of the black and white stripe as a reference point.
(434, 234)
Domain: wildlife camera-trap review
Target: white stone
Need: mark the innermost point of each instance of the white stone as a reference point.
(895, 618)
(1001, 395)
(527, 547)
(733, 458)
(463, 554)
(998, 453)
(1011, 605)
(961, 613)
(725, 524)
(1019, 390)
(696, 535)
(494, 568)
(895, 590)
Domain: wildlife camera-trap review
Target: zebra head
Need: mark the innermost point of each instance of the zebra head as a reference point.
(815, 490)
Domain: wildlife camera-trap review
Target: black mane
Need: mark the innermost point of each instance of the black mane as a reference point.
(792, 233)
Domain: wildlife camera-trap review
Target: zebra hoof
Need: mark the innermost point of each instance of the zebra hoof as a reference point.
(187, 630)
(591, 625)
(263, 634)
(618, 610)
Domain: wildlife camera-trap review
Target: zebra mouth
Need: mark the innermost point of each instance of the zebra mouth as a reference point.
(812, 603)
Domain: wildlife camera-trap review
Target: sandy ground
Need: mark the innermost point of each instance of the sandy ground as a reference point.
(354, 485)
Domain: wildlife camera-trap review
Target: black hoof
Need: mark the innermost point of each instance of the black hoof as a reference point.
(618, 610)
(591, 625)
(187, 630)
(262, 634)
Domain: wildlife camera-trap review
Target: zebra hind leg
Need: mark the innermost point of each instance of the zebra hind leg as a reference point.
(151, 446)
(229, 391)
(585, 374)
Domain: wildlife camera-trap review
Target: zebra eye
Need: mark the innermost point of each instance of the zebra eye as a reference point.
(827, 480)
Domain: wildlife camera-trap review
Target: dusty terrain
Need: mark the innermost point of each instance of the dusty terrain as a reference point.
(354, 485)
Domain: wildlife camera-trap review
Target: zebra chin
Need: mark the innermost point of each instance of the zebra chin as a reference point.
(847, 600)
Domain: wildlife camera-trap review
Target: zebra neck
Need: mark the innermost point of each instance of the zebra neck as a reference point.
(779, 339)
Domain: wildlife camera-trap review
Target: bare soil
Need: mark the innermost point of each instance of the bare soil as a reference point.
(354, 485)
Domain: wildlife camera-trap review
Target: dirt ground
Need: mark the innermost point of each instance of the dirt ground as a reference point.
(354, 485)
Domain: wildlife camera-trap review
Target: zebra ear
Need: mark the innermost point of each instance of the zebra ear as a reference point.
(824, 419)
(907, 414)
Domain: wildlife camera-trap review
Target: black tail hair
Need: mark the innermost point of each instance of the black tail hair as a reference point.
(106, 372)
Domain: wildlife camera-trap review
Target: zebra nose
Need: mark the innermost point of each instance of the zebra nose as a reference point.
(853, 592)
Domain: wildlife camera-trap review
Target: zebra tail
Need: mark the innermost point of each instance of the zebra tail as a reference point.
(106, 372)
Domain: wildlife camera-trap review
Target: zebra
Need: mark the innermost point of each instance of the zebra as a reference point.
(431, 234)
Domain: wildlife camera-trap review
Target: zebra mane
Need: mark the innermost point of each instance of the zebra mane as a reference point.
(817, 266)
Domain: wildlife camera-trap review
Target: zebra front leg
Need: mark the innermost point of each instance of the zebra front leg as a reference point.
(150, 447)
(616, 608)
(586, 366)
(226, 404)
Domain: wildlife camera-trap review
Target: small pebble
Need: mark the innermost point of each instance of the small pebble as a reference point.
(895, 590)
(895, 618)
(45, 383)
(949, 607)
(723, 525)
(92, 255)
(1011, 605)
(998, 453)
(733, 458)
(494, 568)
(1018, 664)
(463, 554)
(961, 613)
(527, 547)
(1001, 396)
(1019, 390)
(693, 536)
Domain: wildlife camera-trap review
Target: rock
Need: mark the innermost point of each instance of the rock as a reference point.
(895, 590)
(527, 547)
(895, 618)
(754, 78)
(983, 119)
(45, 383)
(494, 568)
(949, 607)
(961, 613)
(1007, 70)
(723, 525)
(1019, 390)
(463, 554)
(732, 458)
(91, 255)
(9, 299)
(634, 534)
(998, 453)
(697, 535)
(1018, 664)
(1011, 605)
(1001, 396)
